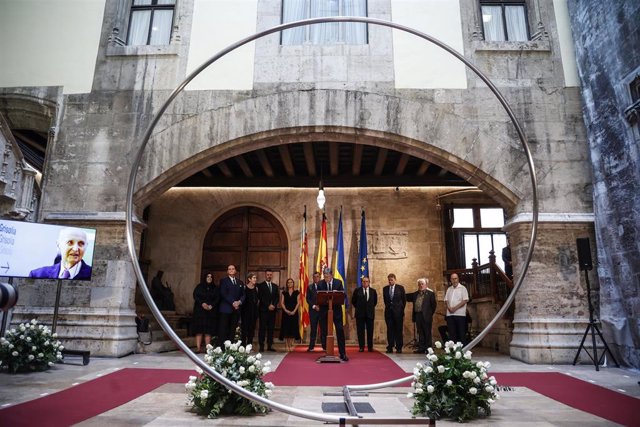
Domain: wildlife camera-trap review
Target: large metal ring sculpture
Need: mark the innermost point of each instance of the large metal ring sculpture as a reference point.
(136, 164)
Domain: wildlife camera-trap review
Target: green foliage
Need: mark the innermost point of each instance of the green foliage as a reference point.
(451, 385)
(236, 363)
(29, 347)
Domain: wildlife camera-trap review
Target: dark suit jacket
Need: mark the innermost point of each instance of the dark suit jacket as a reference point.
(336, 286)
(395, 307)
(265, 298)
(230, 293)
(312, 298)
(428, 305)
(52, 271)
(364, 309)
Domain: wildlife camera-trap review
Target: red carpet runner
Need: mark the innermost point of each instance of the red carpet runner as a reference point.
(578, 394)
(299, 368)
(94, 397)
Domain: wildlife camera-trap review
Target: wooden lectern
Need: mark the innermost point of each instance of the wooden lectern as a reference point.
(330, 298)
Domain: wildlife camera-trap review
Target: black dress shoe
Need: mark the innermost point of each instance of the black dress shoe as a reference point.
(361, 350)
(344, 358)
(309, 350)
(398, 351)
(389, 351)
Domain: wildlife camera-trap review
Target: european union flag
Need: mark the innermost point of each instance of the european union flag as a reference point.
(363, 262)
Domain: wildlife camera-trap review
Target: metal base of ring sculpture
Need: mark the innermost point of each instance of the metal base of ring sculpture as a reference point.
(158, 114)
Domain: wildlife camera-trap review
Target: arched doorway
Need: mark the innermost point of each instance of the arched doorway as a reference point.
(250, 238)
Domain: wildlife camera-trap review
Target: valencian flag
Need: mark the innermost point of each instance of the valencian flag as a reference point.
(322, 261)
(363, 260)
(303, 276)
(338, 266)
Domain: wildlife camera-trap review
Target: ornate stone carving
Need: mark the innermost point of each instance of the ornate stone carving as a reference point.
(388, 244)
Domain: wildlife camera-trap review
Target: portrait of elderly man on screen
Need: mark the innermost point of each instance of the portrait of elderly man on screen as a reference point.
(72, 243)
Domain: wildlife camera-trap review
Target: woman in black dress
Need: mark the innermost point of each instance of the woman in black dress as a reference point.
(205, 308)
(290, 302)
(249, 310)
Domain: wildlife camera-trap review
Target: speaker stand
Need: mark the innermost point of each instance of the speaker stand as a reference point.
(593, 328)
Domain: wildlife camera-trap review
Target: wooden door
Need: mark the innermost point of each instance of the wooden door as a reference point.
(250, 238)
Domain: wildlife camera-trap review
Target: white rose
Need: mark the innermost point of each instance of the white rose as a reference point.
(449, 344)
(418, 391)
(433, 358)
(430, 389)
(458, 344)
(259, 356)
(447, 350)
(252, 368)
(204, 394)
(449, 383)
(61, 347)
(269, 384)
(241, 349)
(268, 392)
(192, 378)
(489, 389)
(480, 365)
(429, 350)
(217, 350)
(46, 342)
(458, 355)
(22, 328)
(251, 359)
(419, 365)
(477, 380)
(199, 370)
(31, 357)
(248, 348)
(55, 335)
(34, 321)
(438, 344)
(227, 344)
(33, 348)
(490, 401)
(429, 370)
(11, 346)
(230, 359)
(473, 390)
(241, 369)
(50, 363)
(466, 374)
(234, 347)
(21, 337)
(266, 370)
(441, 369)
(32, 327)
(40, 355)
(467, 355)
(472, 375)
(416, 371)
(487, 365)
(14, 354)
(224, 373)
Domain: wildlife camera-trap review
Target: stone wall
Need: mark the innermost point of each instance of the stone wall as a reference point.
(607, 36)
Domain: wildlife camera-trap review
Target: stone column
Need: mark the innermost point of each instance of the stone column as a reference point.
(551, 312)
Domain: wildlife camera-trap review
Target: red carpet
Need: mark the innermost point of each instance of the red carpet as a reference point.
(299, 368)
(94, 397)
(582, 395)
(90, 399)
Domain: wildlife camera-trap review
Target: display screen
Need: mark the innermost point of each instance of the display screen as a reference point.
(45, 251)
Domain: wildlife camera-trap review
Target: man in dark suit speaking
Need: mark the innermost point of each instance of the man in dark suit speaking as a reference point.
(364, 300)
(72, 243)
(331, 284)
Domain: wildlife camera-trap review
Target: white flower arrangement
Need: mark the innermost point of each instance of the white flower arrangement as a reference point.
(234, 362)
(456, 387)
(30, 347)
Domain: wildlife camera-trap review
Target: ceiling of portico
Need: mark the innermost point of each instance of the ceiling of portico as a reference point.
(339, 164)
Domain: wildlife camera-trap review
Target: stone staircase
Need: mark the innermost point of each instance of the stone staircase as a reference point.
(160, 342)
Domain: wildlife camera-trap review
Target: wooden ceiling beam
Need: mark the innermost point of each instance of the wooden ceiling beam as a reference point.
(29, 141)
(264, 162)
(402, 164)
(244, 166)
(309, 158)
(225, 169)
(380, 161)
(357, 159)
(206, 172)
(424, 166)
(286, 160)
(334, 159)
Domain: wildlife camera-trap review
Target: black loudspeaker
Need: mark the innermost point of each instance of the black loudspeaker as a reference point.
(584, 253)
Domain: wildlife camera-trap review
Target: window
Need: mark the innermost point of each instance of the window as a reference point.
(504, 20)
(328, 33)
(476, 231)
(150, 22)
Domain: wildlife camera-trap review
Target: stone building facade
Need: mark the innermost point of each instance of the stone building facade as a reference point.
(395, 93)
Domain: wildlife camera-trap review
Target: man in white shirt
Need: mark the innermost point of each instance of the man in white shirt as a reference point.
(456, 299)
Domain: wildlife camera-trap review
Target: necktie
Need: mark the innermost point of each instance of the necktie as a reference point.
(269, 284)
(391, 292)
(330, 286)
(66, 274)
(366, 294)
(233, 280)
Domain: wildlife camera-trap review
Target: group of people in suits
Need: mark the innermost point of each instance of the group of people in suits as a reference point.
(219, 309)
